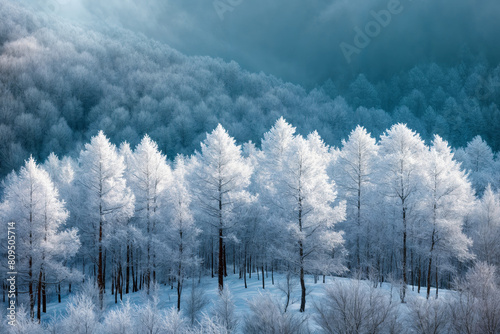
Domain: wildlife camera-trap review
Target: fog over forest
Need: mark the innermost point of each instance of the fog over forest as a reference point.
(62, 82)
(299, 41)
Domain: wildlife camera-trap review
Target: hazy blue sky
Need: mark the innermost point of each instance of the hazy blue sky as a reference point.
(299, 41)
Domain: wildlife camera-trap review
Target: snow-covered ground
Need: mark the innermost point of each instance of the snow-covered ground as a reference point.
(241, 296)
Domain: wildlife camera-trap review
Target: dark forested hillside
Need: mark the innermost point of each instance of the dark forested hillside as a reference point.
(61, 83)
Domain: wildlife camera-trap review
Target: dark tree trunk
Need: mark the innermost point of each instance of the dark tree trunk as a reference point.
(220, 273)
(234, 260)
(437, 282)
(301, 258)
(430, 267)
(225, 261)
(121, 283)
(104, 271)
(405, 279)
(302, 282)
(212, 248)
(127, 273)
(39, 297)
(179, 274)
(419, 276)
(263, 279)
(245, 268)
(116, 287)
(100, 277)
(44, 297)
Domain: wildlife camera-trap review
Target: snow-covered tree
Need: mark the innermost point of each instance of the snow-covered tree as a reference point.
(353, 174)
(220, 177)
(149, 177)
(478, 159)
(181, 231)
(106, 201)
(223, 311)
(37, 216)
(304, 201)
(446, 204)
(401, 158)
(485, 229)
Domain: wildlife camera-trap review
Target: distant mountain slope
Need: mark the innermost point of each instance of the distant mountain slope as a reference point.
(60, 83)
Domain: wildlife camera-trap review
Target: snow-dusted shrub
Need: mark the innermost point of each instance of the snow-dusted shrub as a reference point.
(428, 316)
(355, 307)
(223, 310)
(476, 308)
(118, 321)
(24, 324)
(266, 316)
(81, 316)
(149, 317)
(195, 302)
(174, 323)
(210, 325)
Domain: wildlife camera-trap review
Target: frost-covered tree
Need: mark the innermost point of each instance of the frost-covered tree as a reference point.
(401, 158)
(446, 204)
(181, 231)
(304, 201)
(32, 207)
(220, 177)
(485, 229)
(149, 176)
(223, 311)
(106, 201)
(353, 174)
(478, 159)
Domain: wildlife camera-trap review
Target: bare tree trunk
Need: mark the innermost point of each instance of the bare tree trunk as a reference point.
(405, 280)
(121, 283)
(225, 260)
(301, 257)
(44, 296)
(234, 259)
(220, 273)
(212, 249)
(179, 274)
(245, 268)
(116, 287)
(302, 282)
(100, 278)
(430, 267)
(39, 299)
(437, 282)
(127, 273)
(263, 278)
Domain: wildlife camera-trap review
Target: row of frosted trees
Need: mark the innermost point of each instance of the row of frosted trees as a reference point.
(394, 210)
